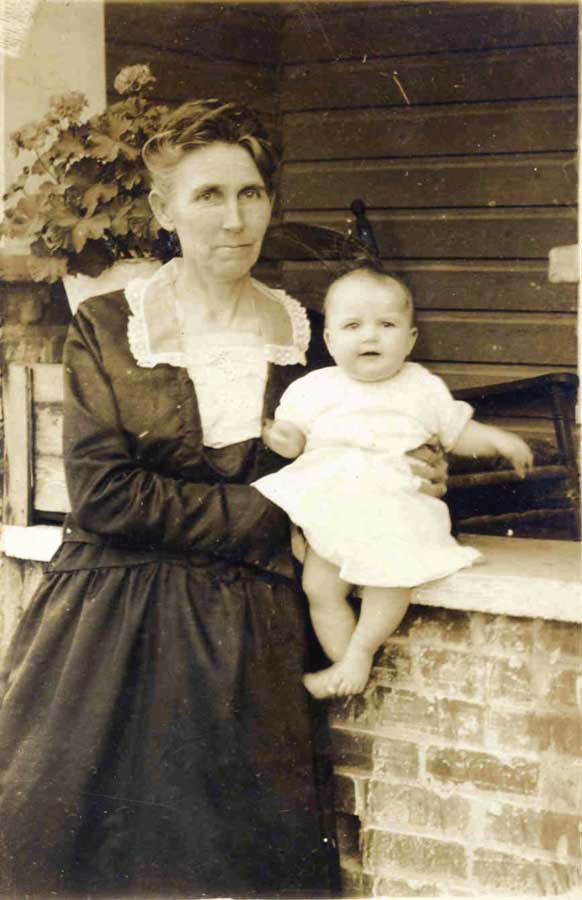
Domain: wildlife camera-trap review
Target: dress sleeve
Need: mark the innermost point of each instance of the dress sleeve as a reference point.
(297, 404)
(115, 496)
(451, 415)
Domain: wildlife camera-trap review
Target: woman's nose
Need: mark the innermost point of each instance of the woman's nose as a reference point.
(232, 216)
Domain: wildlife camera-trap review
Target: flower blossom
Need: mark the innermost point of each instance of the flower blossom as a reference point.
(132, 79)
(29, 137)
(67, 106)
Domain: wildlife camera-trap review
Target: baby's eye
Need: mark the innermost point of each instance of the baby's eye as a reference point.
(387, 324)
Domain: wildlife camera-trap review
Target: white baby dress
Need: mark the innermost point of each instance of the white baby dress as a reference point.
(352, 490)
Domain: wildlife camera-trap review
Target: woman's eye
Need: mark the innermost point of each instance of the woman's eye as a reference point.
(351, 326)
(207, 196)
(250, 192)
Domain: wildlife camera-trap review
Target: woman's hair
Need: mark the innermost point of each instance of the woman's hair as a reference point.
(199, 123)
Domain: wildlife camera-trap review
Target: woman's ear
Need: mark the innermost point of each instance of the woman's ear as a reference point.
(159, 209)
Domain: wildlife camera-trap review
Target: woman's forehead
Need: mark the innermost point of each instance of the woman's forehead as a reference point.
(217, 163)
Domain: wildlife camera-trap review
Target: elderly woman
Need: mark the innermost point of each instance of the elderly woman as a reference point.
(155, 735)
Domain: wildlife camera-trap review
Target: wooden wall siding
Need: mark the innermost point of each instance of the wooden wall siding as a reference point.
(454, 285)
(529, 72)
(459, 234)
(539, 125)
(457, 125)
(317, 31)
(433, 182)
(197, 50)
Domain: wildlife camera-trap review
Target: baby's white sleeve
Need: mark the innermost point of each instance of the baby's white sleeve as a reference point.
(296, 404)
(451, 415)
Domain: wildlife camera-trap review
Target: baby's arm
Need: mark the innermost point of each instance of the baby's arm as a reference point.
(477, 439)
(283, 438)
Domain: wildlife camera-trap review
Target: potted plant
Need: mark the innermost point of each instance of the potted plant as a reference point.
(82, 205)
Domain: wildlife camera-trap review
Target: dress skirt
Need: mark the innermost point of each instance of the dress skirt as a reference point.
(362, 511)
(155, 736)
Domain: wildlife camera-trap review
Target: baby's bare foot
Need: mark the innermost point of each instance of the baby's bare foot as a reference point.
(348, 676)
(322, 684)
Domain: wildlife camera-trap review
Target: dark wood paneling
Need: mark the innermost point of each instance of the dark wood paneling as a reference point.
(531, 72)
(534, 126)
(438, 182)
(212, 31)
(180, 77)
(462, 234)
(529, 339)
(464, 375)
(515, 286)
(329, 32)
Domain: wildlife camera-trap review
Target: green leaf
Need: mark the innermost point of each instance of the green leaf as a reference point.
(108, 145)
(119, 216)
(129, 175)
(96, 194)
(27, 217)
(66, 150)
(91, 227)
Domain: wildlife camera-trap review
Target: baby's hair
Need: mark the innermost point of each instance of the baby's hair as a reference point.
(372, 267)
(198, 123)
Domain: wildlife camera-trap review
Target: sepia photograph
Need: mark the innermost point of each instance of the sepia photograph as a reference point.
(290, 535)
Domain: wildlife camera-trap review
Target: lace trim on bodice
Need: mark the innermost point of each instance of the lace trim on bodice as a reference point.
(153, 327)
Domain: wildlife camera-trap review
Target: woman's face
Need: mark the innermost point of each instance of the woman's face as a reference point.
(219, 208)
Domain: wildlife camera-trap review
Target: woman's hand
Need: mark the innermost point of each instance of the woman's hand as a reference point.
(283, 438)
(429, 464)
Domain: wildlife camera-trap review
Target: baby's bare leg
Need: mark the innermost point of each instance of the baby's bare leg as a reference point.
(332, 616)
(382, 611)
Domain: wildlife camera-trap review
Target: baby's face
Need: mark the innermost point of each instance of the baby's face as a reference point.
(369, 328)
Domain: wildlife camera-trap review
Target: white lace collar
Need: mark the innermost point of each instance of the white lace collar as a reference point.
(153, 327)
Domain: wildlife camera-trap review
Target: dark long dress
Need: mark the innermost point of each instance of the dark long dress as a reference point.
(155, 737)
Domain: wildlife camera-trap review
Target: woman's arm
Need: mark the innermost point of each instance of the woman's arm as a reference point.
(477, 439)
(114, 496)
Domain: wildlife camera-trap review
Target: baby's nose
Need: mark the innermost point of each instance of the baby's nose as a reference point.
(370, 333)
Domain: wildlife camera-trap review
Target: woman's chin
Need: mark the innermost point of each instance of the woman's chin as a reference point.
(235, 267)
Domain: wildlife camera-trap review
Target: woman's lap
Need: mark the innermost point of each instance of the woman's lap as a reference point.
(155, 734)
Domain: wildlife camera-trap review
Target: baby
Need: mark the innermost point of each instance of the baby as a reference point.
(351, 489)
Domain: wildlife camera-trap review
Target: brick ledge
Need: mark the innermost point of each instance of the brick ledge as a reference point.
(517, 577)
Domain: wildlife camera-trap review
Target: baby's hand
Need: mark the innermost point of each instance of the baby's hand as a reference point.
(284, 438)
(516, 451)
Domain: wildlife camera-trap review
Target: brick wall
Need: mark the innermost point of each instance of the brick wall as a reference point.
(459, 771)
